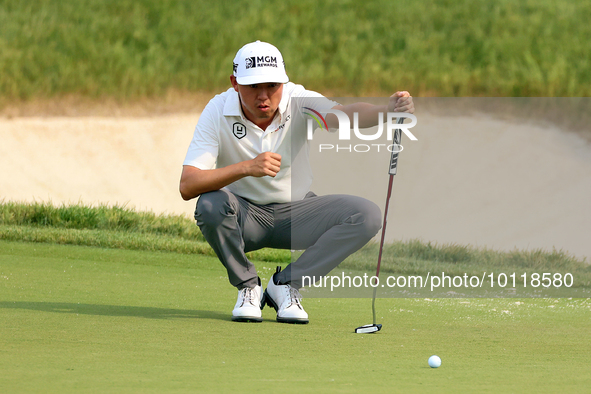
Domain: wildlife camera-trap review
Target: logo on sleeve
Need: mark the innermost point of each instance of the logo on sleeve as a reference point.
(239, 130)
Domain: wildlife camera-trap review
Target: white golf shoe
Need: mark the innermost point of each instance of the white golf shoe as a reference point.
(287, 302)
(248, 305)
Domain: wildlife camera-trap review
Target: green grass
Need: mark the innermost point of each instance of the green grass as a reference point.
(124, 228)
(131, 49)
(85, 319)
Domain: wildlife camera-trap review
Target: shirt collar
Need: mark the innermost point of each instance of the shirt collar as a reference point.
(284, 101)
(232, 105)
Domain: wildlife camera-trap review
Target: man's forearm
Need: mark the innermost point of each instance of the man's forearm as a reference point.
(195, 182)
(368, 114)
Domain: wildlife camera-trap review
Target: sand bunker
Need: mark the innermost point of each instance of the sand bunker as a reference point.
(468, 180)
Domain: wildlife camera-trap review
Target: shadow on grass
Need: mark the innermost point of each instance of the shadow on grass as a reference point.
(116, 310)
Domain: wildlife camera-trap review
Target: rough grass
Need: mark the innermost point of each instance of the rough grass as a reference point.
(129, 49)
(417, 257)
(102, 217)
(124, 228)
(110, 227)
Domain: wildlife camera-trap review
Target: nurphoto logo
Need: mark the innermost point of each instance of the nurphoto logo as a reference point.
(345, 130)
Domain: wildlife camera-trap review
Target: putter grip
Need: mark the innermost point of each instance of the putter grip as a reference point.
(394, 157)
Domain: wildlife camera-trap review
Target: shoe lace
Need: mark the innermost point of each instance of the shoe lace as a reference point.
(247, 295)
(295, 297)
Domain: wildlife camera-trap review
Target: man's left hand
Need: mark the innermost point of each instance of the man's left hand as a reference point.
(401, 102)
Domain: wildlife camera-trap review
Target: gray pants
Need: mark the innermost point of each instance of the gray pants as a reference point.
(329, 228)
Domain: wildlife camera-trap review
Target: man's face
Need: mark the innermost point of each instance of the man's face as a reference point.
(260, 101)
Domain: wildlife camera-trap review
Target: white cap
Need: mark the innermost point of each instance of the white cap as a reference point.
(259, 62)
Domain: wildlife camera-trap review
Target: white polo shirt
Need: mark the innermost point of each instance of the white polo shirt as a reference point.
(223, 136)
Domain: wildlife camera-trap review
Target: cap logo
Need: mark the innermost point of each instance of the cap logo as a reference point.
(260, 61)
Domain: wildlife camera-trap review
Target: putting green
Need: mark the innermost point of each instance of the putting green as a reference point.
(82, 319)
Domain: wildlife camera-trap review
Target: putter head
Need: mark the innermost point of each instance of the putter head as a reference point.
(368, 329)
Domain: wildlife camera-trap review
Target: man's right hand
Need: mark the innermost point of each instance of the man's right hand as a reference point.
(267, 163)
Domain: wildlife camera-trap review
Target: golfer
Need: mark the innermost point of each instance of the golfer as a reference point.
(251, 196)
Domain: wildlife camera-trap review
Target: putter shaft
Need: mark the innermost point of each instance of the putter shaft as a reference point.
(392, 172)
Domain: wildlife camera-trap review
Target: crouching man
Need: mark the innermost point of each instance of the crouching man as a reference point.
(248, 198)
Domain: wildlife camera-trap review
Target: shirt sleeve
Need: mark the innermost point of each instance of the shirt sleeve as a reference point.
(303, 99)
(204, 148)
(312, 99)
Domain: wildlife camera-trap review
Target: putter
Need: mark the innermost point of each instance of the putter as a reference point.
(371, 328)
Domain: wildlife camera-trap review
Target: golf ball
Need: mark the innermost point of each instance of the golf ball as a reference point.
(434, 361)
